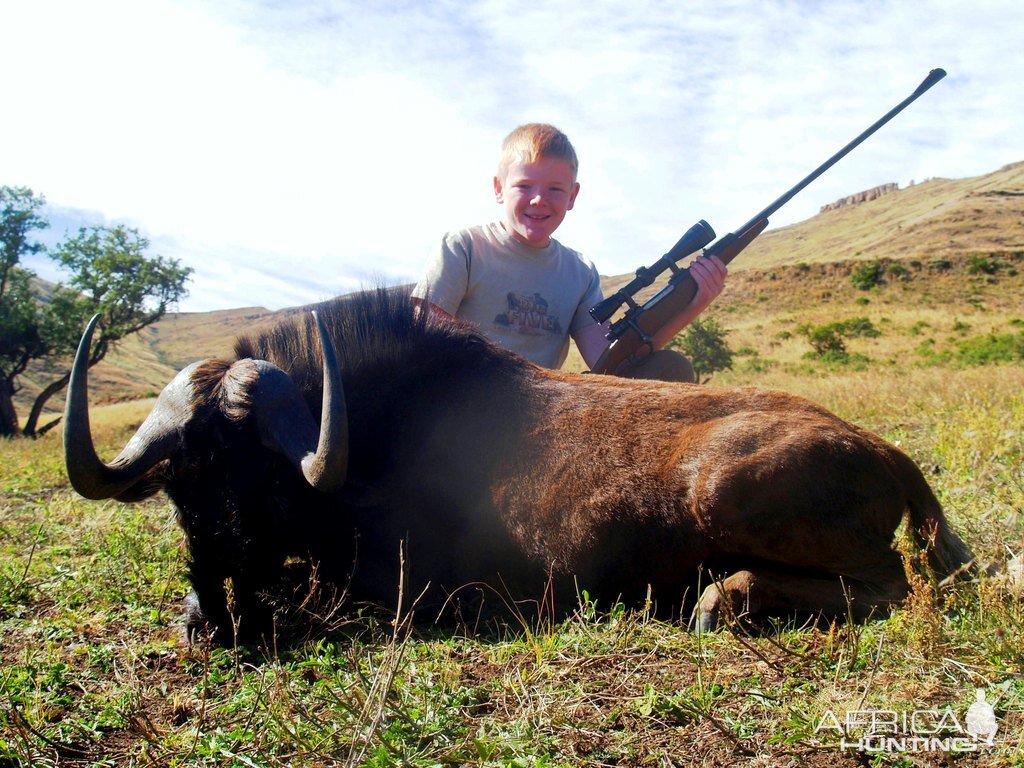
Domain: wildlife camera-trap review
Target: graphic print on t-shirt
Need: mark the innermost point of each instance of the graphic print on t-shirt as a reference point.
(528, 314)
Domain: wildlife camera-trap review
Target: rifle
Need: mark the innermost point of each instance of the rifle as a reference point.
(637, 327)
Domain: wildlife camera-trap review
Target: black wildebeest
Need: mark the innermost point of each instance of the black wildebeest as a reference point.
(495, 470)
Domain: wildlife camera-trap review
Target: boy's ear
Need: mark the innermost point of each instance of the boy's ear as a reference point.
(497, 189)
(572, 195)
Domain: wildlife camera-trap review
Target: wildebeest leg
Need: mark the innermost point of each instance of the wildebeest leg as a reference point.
(764, 592)
(206, 614)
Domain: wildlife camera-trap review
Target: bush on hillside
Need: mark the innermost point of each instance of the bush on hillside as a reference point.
(828, 341)
(867, 275)
(703, 342)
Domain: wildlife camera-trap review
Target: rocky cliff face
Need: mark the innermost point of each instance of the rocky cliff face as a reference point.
(861, 197)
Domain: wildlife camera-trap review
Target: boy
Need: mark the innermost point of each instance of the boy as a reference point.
(524, 289)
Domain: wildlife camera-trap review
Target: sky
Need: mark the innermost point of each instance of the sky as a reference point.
(293, 151)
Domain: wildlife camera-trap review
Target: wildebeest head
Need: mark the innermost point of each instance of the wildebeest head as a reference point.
(231, 442)
(236, 391)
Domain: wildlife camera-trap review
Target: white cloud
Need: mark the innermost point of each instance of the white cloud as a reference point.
(288, 151)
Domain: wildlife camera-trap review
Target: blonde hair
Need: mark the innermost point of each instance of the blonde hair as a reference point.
(528, 143)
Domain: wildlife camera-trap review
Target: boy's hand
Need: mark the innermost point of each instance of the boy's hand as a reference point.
(709, 273)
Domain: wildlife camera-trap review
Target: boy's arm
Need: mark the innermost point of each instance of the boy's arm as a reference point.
(591, 342)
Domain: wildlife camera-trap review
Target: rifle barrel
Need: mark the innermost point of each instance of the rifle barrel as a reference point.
(933, 77)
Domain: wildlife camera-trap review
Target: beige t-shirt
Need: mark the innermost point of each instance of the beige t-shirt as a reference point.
(528, 300)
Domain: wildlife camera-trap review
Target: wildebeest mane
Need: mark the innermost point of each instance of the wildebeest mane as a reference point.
(376, 332)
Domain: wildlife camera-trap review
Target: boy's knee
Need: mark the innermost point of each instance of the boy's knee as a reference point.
(662, 365)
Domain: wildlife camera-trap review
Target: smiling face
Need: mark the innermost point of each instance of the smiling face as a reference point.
(535, 197)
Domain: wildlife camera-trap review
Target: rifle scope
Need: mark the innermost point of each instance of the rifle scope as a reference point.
(695, 238)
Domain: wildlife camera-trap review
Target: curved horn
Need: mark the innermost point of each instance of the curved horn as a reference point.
(153, 441)
(327, 468)
(285, 423)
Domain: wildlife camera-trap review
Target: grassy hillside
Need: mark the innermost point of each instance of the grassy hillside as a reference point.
(92, 670)
(938, 218)
(930, 222)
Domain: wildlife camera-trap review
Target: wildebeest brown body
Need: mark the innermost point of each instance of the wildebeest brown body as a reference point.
(493, 470)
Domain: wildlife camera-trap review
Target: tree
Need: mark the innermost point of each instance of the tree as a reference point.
(22, 326)
(110, 274)
(703, 342)
(827, 341)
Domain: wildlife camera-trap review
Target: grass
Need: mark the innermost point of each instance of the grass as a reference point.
(94, 673)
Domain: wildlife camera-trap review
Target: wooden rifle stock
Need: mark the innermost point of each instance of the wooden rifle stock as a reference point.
(636, 330)
(632, 336)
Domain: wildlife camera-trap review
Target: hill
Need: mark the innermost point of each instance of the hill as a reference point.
(937, 228)
(938, 218)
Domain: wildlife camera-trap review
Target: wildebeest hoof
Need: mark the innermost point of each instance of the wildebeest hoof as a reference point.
(702, 622)
(198, 629)
(731, 597)
(707, 613)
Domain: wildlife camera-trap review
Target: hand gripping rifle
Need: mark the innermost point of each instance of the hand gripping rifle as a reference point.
(637, 327)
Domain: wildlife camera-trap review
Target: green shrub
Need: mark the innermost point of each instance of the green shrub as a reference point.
(703, 341)
(1001, 348)
(757, 365)
(928, 353)
(981, 265)
(858, 327)
(827, 340)
(867, 275)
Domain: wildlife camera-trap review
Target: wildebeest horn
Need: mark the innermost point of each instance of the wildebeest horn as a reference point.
(286, 426)
(326, 469)
(153, 441)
